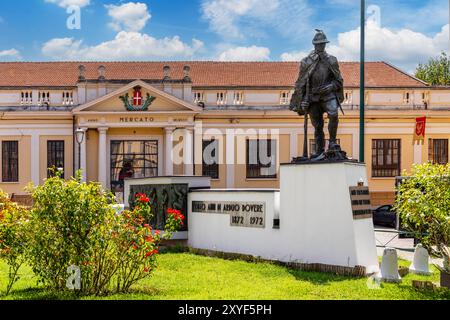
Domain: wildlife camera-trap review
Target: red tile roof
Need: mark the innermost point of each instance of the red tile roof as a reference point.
(203, 73)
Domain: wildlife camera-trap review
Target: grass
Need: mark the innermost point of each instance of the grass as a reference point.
(185, 276)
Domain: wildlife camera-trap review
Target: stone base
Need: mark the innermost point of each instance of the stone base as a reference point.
(316, 211)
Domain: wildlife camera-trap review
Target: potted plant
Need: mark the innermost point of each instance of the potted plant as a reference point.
(423, 203)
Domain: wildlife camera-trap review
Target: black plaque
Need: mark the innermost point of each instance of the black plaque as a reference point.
(360, 198)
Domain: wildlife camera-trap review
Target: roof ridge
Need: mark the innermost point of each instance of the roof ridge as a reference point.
(177, 61)
(405, 73)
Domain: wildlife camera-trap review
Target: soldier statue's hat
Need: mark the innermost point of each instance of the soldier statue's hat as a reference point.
(320, 37)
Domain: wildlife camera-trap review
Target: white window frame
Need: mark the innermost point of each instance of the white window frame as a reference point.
(407, 97)
(67, 98)
(221, 98)
(285, 97)
(199, 96)
(43, 97)
(26, 97)
(238, 98)
(348, 95)
(425, 97)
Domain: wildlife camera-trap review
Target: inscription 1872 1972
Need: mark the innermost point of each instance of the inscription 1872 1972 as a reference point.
(242, 214)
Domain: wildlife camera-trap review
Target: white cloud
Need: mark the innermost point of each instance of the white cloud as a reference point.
(125, 46)
(11, 54)
(131, 16)
(404, 48)
(293, 56)
(252, 53)
(238, 19)
(223, 15)
(68, 3)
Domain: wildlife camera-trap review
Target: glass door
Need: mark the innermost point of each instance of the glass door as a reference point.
(132, 159)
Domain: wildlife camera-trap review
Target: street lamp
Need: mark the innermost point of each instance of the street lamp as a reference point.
(362, 85)
(79, 135)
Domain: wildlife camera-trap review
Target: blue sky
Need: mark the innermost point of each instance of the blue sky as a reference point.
(403, 32)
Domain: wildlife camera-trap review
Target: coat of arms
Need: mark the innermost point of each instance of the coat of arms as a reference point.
(137, 103)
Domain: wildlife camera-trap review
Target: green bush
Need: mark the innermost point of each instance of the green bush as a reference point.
(13, 237)
(423, 202)
(74, 225)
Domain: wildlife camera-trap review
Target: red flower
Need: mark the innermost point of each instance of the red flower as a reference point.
(148, 254)
(176, 214)
(157, 232)
(146, 270)
(142, 198)
(148, 239)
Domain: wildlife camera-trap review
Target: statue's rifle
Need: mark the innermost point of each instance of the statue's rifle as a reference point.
(305, 141)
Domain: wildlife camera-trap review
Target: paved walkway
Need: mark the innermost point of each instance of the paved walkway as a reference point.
(405, 247)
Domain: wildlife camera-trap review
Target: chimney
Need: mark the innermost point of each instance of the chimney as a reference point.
(166, 70)
(81, 72)
(187, 72)
(101, 73)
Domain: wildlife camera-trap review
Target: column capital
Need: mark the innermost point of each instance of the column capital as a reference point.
(102, 129)
(169, 129)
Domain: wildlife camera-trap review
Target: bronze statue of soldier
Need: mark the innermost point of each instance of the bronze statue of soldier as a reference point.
(318, 90)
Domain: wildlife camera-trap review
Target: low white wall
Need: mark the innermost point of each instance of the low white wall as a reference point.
(213, 231)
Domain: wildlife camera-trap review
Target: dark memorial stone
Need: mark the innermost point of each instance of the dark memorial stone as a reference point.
(162, 197)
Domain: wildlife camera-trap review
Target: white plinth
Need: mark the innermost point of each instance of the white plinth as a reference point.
(316, 211)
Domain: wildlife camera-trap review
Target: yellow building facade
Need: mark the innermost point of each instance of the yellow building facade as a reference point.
(141, 119)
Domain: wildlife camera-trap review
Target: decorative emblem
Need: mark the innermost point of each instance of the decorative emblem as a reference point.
(419, 130)
(137, 103)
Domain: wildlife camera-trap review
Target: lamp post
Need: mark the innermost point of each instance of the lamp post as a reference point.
(79, 135)
(362, 85)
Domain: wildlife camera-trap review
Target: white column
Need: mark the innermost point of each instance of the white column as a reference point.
(168, 154)
(417, 153)
(35, 159)
(188, 151)
(102, 157)
(293, 149)
(230, 157)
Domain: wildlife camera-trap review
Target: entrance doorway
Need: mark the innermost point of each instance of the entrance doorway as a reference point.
(132, 159)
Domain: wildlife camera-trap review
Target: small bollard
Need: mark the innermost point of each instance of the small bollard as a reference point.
(389, 267)
(420, 264)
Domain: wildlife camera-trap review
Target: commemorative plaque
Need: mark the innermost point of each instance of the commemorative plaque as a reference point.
(242, 214)
(360, 198)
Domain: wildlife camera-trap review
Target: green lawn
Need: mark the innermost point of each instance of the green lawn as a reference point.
(189, 276)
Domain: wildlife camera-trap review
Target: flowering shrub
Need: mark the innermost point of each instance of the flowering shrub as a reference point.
(142, 206)
(138, 244)
(175, 219)
(70, 223)
(74, 224)
(13, 219)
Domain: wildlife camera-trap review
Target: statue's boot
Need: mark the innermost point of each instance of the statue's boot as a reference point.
(318, 157)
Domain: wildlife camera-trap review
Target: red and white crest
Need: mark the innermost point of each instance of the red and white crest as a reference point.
(137, 96)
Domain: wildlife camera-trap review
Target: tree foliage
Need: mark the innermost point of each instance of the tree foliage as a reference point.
(13, 237)
(423, 202)
(436, 71)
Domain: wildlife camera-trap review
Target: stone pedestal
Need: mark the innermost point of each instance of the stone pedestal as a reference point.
(316, 211)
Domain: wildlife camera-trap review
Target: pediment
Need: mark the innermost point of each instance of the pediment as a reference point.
(152, 100)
